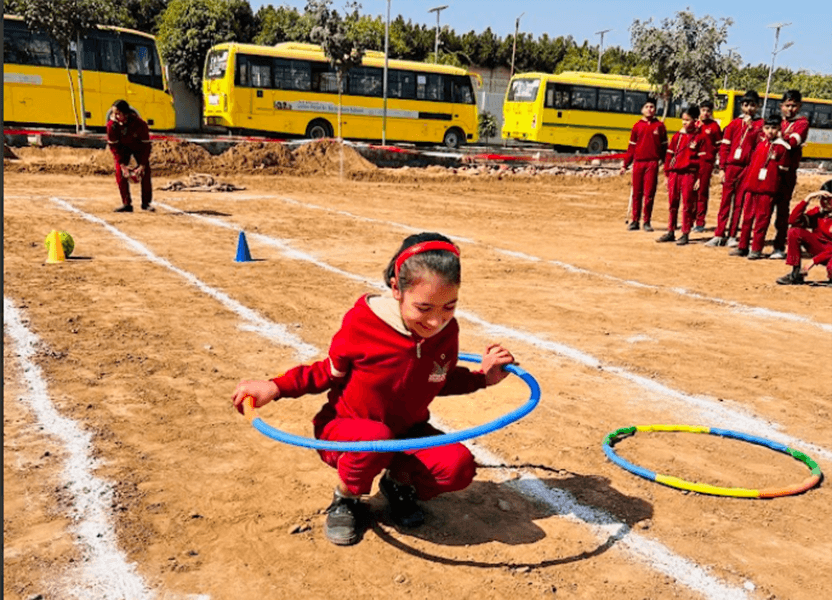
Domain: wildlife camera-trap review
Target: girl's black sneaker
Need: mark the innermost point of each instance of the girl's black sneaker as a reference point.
(404, 510)
(343, 520)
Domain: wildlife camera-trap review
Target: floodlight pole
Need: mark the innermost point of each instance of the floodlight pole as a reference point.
(384, 92)
(601, 46)
(437, 10)
(514, 46)
(725, 81)
(777, 27)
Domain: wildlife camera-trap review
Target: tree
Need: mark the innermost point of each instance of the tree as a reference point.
(142, 15)
(66, 22)
(683, 56)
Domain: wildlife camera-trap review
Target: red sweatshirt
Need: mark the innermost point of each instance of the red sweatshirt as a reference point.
(648, 142)
(738, 141)
(379, 370)
(133, 136)
(763, 176)
(711, 136)
(683, 153)
(817, 221)
(795, 133)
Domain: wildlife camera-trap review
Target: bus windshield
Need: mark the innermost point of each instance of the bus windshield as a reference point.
(216, 64)
(523, 90)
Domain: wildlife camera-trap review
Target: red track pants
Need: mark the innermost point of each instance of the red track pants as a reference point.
(799, 238)
(124, 182)
(756, 218)
(680, 185)
(704, 193)
(730, 208)
(645, 176)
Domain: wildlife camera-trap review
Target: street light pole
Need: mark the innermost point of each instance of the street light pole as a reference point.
(725, 81)
(384, 89)
(437, 10)
(601, 46)
(514, 46)
(777, 27)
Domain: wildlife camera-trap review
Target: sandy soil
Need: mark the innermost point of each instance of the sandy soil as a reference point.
(144, 334)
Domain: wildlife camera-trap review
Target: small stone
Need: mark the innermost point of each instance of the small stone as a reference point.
(400, 578)
(503, 505)
(749, 585)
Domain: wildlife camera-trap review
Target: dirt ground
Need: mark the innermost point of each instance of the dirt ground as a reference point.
(142, 335)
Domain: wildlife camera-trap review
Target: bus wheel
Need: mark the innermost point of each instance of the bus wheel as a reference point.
(597, 144)
(319, 128)
(453, 138)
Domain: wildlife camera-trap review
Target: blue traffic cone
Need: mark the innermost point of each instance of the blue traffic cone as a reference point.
(243, 254)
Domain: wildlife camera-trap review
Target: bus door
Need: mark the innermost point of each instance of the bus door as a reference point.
(262, 98)
(144, 78)
(111, 71)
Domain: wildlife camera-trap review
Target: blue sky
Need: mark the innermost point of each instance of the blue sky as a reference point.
(809, 31)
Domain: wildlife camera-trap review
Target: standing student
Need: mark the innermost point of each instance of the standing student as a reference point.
(738, 142)
(682, 171)
(762, 183)
(646, 151)
(129, 137)
(711, 137)
(810, 230)
(795, 129)
(392, 356)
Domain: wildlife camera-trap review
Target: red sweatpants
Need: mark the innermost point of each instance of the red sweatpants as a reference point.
(756, 217)
(704, 192)
(799, 238)
(730, 208)
(782, 201)
(432, 471)
(645, 176)
(680, 185)
(124, 182)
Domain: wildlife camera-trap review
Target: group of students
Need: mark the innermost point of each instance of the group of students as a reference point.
(757, 162)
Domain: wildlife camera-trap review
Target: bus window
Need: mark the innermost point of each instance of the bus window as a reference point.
(217, 64)
(523, 90)
(39, 50)
(721, 102)
(142, 66)
(429, 87)
(610, 100)
(292, 75)
(365, 81)
(324, 79)
(822, 118)
(463, 93)
(401, 84)
(110, 56)
(90, 56)
(260, 72)
(557, 95)
(584, 97)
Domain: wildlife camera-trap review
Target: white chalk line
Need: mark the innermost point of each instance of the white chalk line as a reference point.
(726, 414)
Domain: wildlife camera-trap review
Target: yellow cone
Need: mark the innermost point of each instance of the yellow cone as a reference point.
(56, 248)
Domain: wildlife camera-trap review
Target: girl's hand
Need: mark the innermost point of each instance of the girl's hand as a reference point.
(263, 392)
(493, 361)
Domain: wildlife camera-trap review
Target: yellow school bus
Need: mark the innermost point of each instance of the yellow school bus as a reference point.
(593, 111)
(818, 144)
(291, 89)
(117, 64)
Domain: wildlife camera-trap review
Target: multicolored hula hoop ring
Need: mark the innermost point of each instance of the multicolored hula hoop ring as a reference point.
(702, 488)
(405, 444)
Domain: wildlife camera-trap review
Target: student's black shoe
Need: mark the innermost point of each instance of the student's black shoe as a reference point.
(148, 208)
(343, 519)
(683, 240)
(739, 252)
(754, 255)
(632, 226)
(792, 279)
(667, 237)
(647, 227)
(124, 208)
(404, 510)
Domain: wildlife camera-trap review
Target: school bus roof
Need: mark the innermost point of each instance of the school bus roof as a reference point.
(314, 52)
(594, 79)
(106, 27)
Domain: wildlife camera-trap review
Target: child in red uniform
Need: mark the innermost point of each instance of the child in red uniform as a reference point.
(711, 136)
(647, 149)
(681, 169)
(128, 136)
(795, 131)
(762, 182)
(811, 230)
(392, 356)
(738, 141)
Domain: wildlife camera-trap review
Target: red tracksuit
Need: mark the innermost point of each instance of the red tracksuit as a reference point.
(647, 149)
(762, 182)
(681, 168)
(738, 142)
(711, 136)
(131, 139)
(381, 379)
(794, 133)
(813, 231)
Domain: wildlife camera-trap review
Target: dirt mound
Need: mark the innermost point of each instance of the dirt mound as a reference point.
(172, 154)
(8, 153)
(324, 156)
(250, 156)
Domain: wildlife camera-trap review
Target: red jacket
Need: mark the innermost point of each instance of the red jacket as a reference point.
(378, 370)
(738, 141)
(795, 133)
(818, 221)
(683, 153)
(763, 175)
(131, 138)
(711, 136)
(648, 142)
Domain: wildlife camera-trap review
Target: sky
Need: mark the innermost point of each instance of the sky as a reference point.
(750, 35)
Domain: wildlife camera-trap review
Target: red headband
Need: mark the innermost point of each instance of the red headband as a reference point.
(423, 247)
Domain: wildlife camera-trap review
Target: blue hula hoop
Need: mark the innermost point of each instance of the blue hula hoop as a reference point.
(411, 443)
